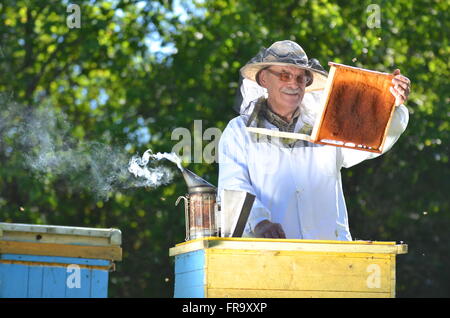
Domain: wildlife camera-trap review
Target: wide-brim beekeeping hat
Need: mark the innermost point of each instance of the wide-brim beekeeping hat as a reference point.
(286, 53)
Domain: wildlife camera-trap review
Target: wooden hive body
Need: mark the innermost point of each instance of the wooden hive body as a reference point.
(46, 261)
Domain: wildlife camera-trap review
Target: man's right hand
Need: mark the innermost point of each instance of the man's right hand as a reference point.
(267, 229)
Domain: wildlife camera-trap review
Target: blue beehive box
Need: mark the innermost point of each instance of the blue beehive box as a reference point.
(42, 261)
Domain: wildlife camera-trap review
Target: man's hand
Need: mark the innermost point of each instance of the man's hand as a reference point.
(401, 88)
(267, 229)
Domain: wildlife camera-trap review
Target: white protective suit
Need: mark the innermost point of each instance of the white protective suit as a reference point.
(298, 187)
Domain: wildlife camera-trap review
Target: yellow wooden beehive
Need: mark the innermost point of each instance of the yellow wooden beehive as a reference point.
(269, 268)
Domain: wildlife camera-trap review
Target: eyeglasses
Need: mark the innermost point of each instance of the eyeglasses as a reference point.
(287, 77)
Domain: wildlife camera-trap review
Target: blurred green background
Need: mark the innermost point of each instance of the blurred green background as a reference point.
(135, 70)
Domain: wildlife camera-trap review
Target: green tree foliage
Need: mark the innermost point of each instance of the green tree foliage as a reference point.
(111, 88)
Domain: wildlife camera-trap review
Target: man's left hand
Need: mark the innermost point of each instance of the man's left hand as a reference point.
(401, 88)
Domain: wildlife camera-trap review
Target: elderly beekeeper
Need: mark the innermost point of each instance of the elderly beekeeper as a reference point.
(297, 184)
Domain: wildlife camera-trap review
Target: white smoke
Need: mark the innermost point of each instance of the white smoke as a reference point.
(44, 139)
(150, 177)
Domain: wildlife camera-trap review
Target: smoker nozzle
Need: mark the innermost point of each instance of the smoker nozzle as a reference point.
(195, 183)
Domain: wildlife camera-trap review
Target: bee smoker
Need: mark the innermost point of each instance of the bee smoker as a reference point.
(200, 207)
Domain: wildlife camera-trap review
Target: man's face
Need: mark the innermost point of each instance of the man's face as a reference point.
(284, 95)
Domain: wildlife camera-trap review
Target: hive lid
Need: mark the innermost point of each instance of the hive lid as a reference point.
(299, 245)
(63, 241)
(60, 234)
